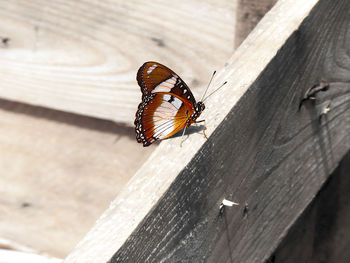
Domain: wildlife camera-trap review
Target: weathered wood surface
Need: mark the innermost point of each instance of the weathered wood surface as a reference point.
(59, 172)
(8, 256)
(82, 56)
(249, 13)
(53, 54)
(322, 233)
(262, 151)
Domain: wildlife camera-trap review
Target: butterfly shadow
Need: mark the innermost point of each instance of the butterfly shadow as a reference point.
(189, 130)
(71, 119)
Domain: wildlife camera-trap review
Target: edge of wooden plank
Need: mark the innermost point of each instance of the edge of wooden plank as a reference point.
(11, 256)
(47, 154)
(153, 179)
(60, 56)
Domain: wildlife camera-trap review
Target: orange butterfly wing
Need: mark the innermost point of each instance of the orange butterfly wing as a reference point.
(153, 77)
(167, 103)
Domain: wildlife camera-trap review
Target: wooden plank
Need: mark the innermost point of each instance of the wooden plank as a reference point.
(59, 172)
(83, 56)
(249, 13)
(8, 256)
(322, 233)
(262, 151)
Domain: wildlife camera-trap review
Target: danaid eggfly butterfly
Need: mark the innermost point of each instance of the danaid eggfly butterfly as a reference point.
(167, 106)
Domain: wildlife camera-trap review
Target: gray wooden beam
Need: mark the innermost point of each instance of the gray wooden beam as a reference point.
(266, 153)
(322, 233)
(262, 151)
(248, 14)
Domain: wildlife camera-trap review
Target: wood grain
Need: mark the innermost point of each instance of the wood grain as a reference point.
(59, 172)
(82, 56)
(262, 151)
(322, 233)
(8, 256)
(249, 13)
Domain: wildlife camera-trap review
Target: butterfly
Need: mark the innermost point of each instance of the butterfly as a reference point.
(167, 106)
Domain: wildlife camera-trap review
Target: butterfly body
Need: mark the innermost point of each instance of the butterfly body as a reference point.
(167, 106)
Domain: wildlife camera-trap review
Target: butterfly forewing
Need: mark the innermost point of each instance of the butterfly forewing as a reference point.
(153, 77)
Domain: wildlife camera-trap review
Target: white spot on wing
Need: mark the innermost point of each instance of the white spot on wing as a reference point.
(165, 111)
(164, 116)
(177, 103)
(165, 86)
(151, 68)
(166, 97)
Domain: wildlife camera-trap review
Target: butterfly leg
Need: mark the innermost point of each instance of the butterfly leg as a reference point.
(204, 127)
(183, 133)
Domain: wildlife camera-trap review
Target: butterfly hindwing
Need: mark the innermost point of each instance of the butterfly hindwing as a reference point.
(159, 116)
(153, 77)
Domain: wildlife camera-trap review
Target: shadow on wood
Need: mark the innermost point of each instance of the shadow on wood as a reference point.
(68, 118)
(322, 233)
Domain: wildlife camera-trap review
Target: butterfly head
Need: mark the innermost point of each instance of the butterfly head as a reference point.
(197, 111)
(200, 107)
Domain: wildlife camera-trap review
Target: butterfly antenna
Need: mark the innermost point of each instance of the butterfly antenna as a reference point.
(212, 76)
(215, 91)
